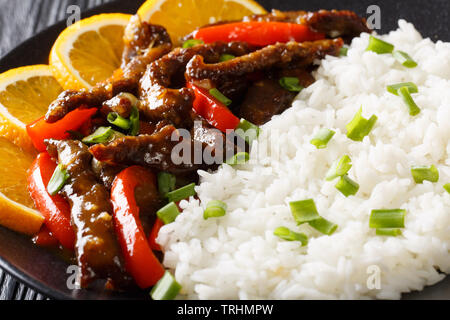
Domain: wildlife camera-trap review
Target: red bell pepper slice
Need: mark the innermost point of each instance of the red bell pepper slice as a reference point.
(55, 208)
(215, 112)
(154, 234)
(40, 130)
(140, 261)
(258, 33)
(45, 238)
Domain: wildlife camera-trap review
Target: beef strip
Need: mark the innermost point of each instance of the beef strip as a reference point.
(135, 60)
(141, 37)
(161, 97)
(153, 151)
(97, 249)
(106, 173)
(205, 146)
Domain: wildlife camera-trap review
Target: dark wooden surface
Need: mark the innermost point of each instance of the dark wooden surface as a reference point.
(19, 20)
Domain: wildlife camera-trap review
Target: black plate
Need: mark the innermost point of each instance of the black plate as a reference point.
(46, 273)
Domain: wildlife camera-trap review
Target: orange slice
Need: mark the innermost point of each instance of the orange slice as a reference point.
(16, 207)
(25, 94)
(89, 51)
(180, 17)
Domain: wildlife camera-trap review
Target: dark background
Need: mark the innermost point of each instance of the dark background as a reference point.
(21, 19)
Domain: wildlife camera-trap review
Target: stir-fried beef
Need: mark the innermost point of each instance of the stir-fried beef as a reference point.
(161, 97)
(153, 151)
(172, 137)
(126, 79)
(139, 37)
(106, 173)
(278, 55)
(96, 246)
(334, 23)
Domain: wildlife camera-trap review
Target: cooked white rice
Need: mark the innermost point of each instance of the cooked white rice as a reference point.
(238, 257)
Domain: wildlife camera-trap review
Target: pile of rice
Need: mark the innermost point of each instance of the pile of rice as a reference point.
(238, 257)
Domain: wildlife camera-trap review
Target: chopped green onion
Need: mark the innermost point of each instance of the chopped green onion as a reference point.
(291, 84)
(192, 43)
(182, 193)
(214, 209)
(166, 182)
(323, 225)
(167, 288)
(238, 158)
(360, 127)
(322, 138)
(289, 235)
(58, 180)
(134, 122)
(347, 186)
(304, 211)
(392, 232)
(408, 100)
(219, 96)
(225, 57)
(387, 218)
(421, 173)
(101, 135)
(115, 119)
(168, 213)
(447, 187)
(412, 87)
(250, 131)
(343, 52)
(339, 168)
(379, 46)
(404, 59)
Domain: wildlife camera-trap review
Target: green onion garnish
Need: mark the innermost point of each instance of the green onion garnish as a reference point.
(291, 84)
(289, 235)
(447, 187)
(182, 193)
(324, 226)
(238, 158)
(168, 213)
(404, 59)
(339, 168)
(360, 127)
(115, 119)
(192, 43)
(392, 232)
(412, 87)
(167, 288)
(408, 100)
(225, 57)
(421, 173)
(58, 180)
(389, 218)
(322, 138)
(304, 211)
(134, 122)
(343, 52)
(166, 182)
(214, 209)
(379, 46)
(101, 135)
(250, 131)
(219, 96)
(347, 186)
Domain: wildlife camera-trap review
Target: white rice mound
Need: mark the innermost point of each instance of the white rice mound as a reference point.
(238, 257)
